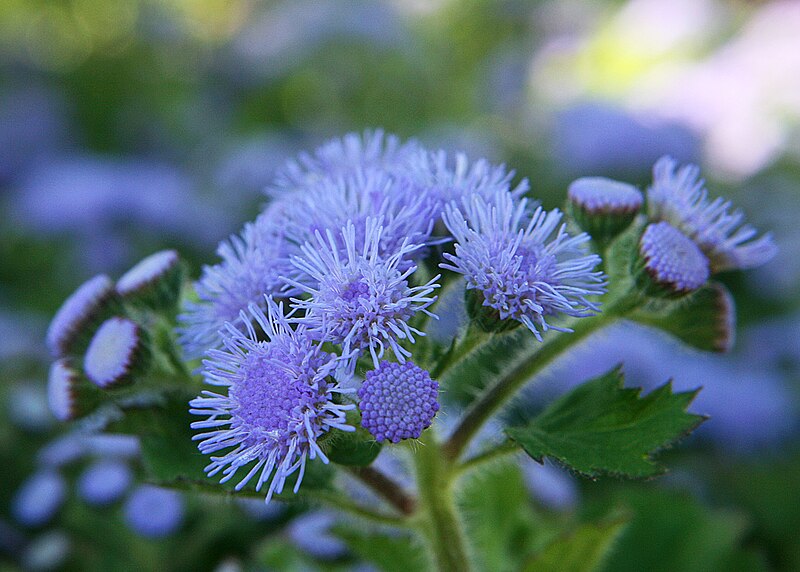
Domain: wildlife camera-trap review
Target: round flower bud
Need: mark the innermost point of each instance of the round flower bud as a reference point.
(74, 323)
(603, 207)
(153, 512)
(104, 482)
(62, 393)
(671, 263)
(118, 351)
(154, 282)
(398, 401)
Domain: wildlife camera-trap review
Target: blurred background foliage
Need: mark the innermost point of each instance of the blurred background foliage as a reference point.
(132, 125)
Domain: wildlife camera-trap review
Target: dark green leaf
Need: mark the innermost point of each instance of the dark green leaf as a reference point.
(704, 320)
(583, 550)
(601, 427)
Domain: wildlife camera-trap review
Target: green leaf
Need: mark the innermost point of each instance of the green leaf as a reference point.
(669, 530)
(400, 553)
(500, 520)
(602, 427)
(705, 320)
(583, 550)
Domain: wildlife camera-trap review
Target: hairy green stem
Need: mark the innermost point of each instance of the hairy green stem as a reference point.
(552, 347)
(386, 487)
(439, 519)
(347, 505)
(472, 339)
(507, 448)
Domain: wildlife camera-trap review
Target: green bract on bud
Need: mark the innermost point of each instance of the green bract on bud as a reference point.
(154, 282)
(68, 393)
(80, 314)
(486, 317)
(118, 352)
(669, 264)
(603, 207)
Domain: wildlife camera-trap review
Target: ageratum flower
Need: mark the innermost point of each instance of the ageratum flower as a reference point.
(251, 266)
(372, 150)
(360, 299)
(279, 401)
(104, 482)
(397, 401)
(679, 197)
(330, 204)
(452, 179)
(153, 512)
(522, 266)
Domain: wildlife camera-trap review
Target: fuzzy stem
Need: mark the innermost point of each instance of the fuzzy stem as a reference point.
(439, 518)
(508, 448)
(347, 505)
(552, 347)
(385, 487)
(472, 339)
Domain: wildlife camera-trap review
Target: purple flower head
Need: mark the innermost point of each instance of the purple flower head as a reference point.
(147, 271)
(330, 204)
(78, 313)
(153, 512)
(600, 195)
(116, 352)
(398, 401)
(452, 179)
(525, 266)
(672, 260)
(104, 482)
(337, 158)
(280, 400)
(359, 298)
(251, 266)
(678, 196)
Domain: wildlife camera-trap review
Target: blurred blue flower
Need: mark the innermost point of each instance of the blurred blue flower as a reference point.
(104, 482)
(154, 512)
(39, 498)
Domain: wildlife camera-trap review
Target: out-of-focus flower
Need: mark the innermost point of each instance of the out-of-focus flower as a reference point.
(104, 482)
(39, 498)
(116, 353)
(679, 197)
(154, 512)
(280, 400)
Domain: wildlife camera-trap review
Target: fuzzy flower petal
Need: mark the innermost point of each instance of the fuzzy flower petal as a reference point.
(251, 266)
(360, 299)
(526, 266)
(279, 401)
(679, 197)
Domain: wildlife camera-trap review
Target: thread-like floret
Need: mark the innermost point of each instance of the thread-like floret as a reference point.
(115, 350)
(280, 400)
(360, 299)
(599, 195)
(523, 266)
(398, 401)
(678, 196)
(77, 313)
(672, 259)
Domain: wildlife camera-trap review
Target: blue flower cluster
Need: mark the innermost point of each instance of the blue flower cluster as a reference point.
(334, 282)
